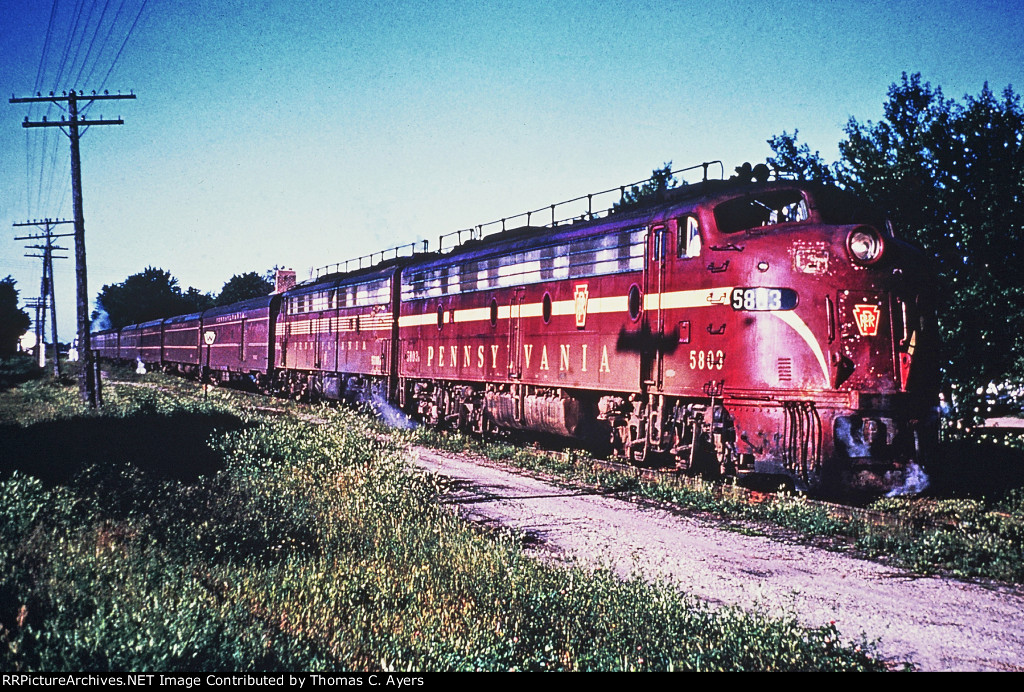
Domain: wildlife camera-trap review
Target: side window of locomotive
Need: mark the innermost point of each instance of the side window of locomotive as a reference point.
(609, 253)
(689, 238)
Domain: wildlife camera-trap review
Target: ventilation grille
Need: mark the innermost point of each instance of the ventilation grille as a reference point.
(785, 369)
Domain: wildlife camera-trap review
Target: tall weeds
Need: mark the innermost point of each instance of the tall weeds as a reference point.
(314, 546)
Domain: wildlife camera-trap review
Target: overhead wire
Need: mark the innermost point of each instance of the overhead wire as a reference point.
(92, 43)
(87, 45)
(33, 108)
(51, 142)
(106, 42)
(46, 46)
(117, 57)
(68, 46)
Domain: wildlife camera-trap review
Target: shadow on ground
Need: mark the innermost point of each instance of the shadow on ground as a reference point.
(172, 446)
(975, 468)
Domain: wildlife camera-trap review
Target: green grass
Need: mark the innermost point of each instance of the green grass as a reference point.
(294, 545)
(18, 368)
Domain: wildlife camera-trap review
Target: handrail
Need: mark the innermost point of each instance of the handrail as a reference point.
(581, 214)
(480, 231)
(371, 259)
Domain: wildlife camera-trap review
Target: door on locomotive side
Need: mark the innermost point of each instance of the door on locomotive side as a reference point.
(688, 309)
(652, 359)
(676, 298)
(515, 333)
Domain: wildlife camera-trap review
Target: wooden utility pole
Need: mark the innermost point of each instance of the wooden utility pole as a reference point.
(46, 288)
(88, 380)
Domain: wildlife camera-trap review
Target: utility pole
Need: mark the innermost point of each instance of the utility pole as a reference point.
(46, 288)
(88, 380)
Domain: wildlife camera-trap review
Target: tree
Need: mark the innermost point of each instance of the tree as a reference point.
(13, 320)
(194, 300)
(951, 176)
(243, 287)
(661, 180)
(797, 161)
(149, 295)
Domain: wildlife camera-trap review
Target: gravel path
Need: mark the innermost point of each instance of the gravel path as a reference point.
(937, 624)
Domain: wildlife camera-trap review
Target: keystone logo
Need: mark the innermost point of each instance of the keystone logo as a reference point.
(581, 305)
(867, 319)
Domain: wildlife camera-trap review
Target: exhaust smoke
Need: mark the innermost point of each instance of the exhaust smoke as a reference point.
(856, 446)
(915, 480)
(101, 322)
(391, 415)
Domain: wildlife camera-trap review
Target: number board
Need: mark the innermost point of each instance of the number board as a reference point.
(764, 299)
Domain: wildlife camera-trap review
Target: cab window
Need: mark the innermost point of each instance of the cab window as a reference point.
(689, 237)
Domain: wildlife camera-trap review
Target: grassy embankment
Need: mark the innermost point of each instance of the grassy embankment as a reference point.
(181, 533)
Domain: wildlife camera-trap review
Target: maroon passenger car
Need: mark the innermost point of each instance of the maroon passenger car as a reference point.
(237, 341)
(181, 343)
(106, 344)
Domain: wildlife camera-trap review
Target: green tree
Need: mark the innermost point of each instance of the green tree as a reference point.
(797, 161)
(661, 180)
(149, 295)
(195, 300)
(951, 176)
(243, 287)
(13, 320)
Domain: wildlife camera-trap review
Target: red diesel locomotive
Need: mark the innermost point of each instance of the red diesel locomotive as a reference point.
(774, 328)
(734, 327)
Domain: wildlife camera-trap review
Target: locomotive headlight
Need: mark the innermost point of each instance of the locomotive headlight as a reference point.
(865, 245)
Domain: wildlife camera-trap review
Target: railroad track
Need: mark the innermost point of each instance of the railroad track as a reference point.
(738, 493)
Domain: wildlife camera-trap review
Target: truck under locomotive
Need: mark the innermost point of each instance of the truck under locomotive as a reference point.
(775, 328)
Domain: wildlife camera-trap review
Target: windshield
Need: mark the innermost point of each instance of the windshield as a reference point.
(758, 210)
(842, 208)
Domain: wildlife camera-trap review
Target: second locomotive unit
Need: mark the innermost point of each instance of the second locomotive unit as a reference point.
(735, 327)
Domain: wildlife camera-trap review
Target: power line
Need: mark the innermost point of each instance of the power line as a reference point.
(105, 42)
(46, 46)
(131, 30)
(77, 43)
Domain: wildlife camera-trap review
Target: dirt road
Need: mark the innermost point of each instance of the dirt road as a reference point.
(934, 623)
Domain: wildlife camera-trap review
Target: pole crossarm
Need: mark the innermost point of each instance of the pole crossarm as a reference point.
(44, 222)
(69, 96)
(65, 123)
(43, 237)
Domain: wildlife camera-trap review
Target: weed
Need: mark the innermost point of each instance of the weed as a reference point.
(313, 546)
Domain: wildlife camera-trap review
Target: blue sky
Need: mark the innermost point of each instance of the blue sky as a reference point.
(304, 133)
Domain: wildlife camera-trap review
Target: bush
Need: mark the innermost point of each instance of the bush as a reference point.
(18, 368)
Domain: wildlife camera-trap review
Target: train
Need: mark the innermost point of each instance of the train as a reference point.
(751, 327)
